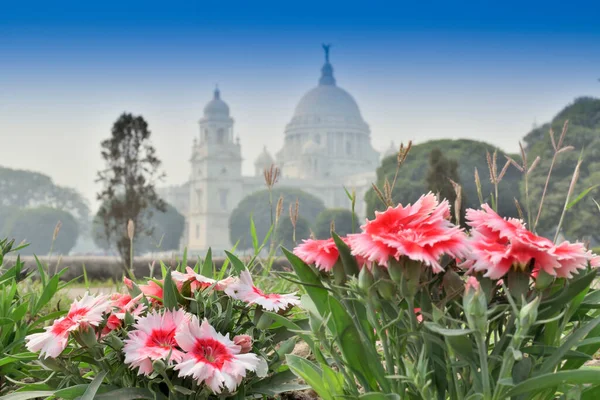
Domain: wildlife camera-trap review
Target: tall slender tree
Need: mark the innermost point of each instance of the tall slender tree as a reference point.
(439, 175)
(129, 177)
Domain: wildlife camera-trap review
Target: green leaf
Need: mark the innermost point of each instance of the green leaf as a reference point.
(555, 303)
(236, 263)
(184, 260)
(552, 380)
(169, 292)
(280, 382)
(207, 266)
(311, 374)
(379, 396)
(581, 196)
(551, 362)
(28, 395)
(17, 357)
(47, 293)
(291, 326)
(360, 356)
(432, 326)
(540, 350)
(85, 277)
(90, 392)
(348, 260)
(312, 284)
(127, 394)
(253, 235)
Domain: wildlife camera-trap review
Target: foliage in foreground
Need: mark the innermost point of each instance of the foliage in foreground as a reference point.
(518, 317)
(197, 333)
(22, 312)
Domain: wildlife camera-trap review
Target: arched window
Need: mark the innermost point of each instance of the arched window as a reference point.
(221, 136)
(197, 231)
(348, 148)
(223, 198)
(199, 198)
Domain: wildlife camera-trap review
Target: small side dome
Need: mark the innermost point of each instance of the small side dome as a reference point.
(390, 151)
(216, 107)
(264, 159)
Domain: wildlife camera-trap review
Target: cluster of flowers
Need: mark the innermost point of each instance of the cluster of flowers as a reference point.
(171, 337)
(423, 232)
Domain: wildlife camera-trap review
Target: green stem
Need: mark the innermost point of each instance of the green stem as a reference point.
(483, 360)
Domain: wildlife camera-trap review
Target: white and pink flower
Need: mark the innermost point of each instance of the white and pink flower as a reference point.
(122, 304)
(154, 339)
(211, 357)
(198, 281)
(245, 290)
(85, 313)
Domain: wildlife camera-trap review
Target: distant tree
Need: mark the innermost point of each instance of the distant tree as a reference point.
(37, 226)
(285, 232)
(26, 189)
(132, 169)
(256, 205)
(167, 230)
(441, 171)
(412, 177)
(583, 134)
(342, 220)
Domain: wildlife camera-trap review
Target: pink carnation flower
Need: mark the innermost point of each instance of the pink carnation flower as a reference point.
(85, 313)
(245, 290)
(122, 304)
(499, 244)
(154, 339)
(422, 232)
(198, 281)
(211, 357)
(153, 291)
(323, 253)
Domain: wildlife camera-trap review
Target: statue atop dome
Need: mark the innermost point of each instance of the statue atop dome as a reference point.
(326, 48)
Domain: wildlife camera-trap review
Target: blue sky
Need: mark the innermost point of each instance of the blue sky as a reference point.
(418, 70)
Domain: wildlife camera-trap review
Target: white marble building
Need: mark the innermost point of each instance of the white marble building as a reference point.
(327, 146)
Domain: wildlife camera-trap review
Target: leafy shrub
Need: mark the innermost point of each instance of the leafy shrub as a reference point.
(257, 206)
(289, 236)
(470, 154)
(37, 226)
(345, 222)
(166, 226)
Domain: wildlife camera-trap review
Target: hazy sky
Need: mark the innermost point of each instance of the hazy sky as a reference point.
(418, 70)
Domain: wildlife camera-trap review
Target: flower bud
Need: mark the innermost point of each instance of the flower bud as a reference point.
(543, 280)
(528, 314)
(365, 280)
(87, 337)
(339, 275)
(411, 273)
(264, 322)
(395, 270)
(386, 289)
(128, 282)
(475, 305)
(245, 342)
(159, 366)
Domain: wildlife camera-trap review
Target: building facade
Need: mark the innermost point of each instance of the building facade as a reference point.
(327, 146)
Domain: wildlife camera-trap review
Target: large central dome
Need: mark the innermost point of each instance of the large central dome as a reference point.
(327, 99)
